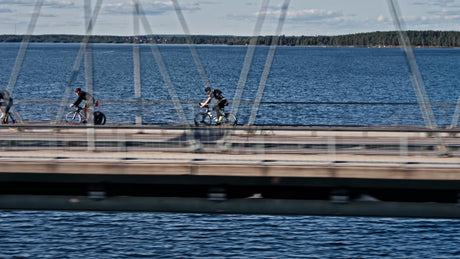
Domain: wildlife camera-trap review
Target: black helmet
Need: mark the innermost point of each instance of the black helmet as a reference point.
(207, 89)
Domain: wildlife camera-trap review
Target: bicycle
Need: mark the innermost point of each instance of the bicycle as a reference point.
(207, 118)
(12, 117)
(76, 117)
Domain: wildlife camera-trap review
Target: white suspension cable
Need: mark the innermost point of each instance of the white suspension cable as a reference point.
(167, 79)
(162, 67)
(416, 77)
(21, 53)
(246, 66)
(137, 65)
(268, 63)
(249, 57)
(91, 141)
(193, 51)
(248, 60)
(456, 115)
(79, 58)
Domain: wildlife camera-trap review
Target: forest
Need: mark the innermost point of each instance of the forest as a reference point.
(420, 39)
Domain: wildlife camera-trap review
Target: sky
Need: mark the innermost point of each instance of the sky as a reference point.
(231, 17)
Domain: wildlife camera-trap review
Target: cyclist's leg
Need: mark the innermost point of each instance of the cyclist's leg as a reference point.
(2, 113)
(86, 107)
(6, 111)
(219, 107)
(8, 106)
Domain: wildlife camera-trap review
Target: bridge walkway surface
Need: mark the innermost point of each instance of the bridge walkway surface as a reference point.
(347, 172)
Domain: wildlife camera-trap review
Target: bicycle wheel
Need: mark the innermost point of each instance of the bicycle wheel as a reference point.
(203, 119)
(99, 118)
(73, 117)
(230, 120)
(14, 118)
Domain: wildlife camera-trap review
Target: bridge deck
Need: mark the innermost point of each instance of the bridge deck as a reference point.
(314, 172)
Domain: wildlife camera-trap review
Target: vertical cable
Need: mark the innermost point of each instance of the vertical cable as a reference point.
(89, 79)
(76, 66)
(89, 60)
(137, 65)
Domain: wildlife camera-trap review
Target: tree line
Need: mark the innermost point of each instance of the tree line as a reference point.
(439, 39)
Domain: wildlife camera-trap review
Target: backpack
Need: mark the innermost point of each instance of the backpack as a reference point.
(99, 118)
(217, 94)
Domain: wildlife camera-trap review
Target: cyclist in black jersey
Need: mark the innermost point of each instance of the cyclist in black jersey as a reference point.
(83, 96)
(221, 102)
(7, 101)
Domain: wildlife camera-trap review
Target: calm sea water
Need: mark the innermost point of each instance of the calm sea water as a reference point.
(298, 75)
(150, 235)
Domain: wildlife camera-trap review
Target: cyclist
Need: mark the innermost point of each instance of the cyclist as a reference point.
(7, 101)
(83, 96)
(221, 102)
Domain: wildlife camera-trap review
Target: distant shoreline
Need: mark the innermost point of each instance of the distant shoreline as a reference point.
(388, 39)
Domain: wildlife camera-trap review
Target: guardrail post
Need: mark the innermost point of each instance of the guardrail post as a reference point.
(331, 147)
(91, 139)
(121, 142)
(403, 146)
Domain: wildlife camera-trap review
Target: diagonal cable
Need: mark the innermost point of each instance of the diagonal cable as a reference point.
(162, 67)
(269, 62)
(456, 115)
(167, 79)
(77, 64)
(416, 77)
(267, 67)
(189, 41)
(248, 58)
(246, 66)
(22, 51)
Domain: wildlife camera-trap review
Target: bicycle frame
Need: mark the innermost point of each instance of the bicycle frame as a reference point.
(12, 116)
(77, 116)
(72, 115)
(208, 118)
(214, 118)
(79, 110)
(209, 111)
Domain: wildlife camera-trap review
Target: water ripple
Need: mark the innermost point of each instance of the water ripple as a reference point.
(157, 235)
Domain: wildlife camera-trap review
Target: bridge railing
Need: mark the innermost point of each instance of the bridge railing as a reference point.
(271, 141)
(156, 112)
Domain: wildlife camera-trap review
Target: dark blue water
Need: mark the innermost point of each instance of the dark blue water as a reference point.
(298, 75)
(150, 235)
(315, 77)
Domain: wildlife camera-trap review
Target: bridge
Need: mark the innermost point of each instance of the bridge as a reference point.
(296, 171)
(395, 171)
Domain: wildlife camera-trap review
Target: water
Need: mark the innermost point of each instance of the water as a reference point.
(299, 75)
(151, 235)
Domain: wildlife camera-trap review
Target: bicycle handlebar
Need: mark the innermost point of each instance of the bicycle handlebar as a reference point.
(206, 106)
